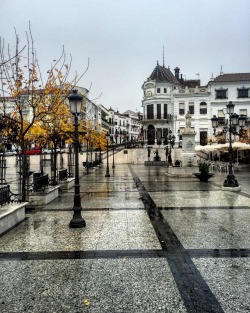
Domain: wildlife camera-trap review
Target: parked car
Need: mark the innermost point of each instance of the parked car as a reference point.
(10, 152)
(52, 150)
(32, 151)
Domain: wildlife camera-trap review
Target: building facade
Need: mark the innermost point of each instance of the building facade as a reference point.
(124, 127)
(167, 98)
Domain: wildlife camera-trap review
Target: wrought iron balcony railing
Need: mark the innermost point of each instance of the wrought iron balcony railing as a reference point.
(158, 117)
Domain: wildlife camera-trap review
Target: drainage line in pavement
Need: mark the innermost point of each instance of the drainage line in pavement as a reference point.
(90, 210)
(193, 289)
(73, 255)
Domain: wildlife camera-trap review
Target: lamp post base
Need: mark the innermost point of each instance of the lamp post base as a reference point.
(231, 188)
(107, 175)
(77, 222)
(231, 183)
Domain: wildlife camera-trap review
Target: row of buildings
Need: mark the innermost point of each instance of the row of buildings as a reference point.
(167, 98)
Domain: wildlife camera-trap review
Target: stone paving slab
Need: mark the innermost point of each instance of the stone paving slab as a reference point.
(212, 228)
(173, 186)
(229, 279)
(124, 285)
(199, 199)
(106, 230)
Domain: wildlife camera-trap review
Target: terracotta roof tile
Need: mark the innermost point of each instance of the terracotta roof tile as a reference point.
(163, 74)
(233, 77)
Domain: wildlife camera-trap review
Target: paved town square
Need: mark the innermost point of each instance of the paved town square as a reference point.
(152, 243)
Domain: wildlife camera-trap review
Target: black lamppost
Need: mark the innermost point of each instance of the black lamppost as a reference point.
(170, 140)
(75, 103)
(234, 121)
(113, 146)
(107, 169)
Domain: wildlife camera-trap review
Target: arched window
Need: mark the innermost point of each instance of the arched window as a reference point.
(203, 108)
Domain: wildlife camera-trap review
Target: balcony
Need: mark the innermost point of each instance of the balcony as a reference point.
(157, 117)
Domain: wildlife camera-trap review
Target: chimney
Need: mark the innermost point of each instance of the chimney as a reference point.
(177, 72)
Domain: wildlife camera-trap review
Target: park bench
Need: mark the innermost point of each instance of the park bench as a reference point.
(63, 174)
(40, 182)
(6, 196)
(89, 164)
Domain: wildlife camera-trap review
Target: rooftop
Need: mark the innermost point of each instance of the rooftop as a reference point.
(163, 74)
(233, 77)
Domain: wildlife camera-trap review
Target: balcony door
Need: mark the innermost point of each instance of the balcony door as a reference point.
(203, 138)
(151, 135)
(150, 111)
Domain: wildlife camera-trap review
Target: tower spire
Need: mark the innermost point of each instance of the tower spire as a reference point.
(163, 57)
(221, 71)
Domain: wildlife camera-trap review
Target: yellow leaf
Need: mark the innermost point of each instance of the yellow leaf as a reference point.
(86, 302)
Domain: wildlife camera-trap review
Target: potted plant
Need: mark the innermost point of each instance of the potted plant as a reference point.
(177, 163)
(204, 174)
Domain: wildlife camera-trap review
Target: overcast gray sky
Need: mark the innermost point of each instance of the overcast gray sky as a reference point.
(124, 39)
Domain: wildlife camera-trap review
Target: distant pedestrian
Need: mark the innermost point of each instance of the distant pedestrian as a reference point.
(149, 151)
(166, 152)
(170, 160)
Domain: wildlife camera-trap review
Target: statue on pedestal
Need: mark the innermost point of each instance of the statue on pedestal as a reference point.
(188, 120)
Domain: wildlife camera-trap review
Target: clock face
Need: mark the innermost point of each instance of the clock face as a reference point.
(149, 93)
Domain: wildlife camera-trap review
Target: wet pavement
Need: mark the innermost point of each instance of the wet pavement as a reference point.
(152, 243)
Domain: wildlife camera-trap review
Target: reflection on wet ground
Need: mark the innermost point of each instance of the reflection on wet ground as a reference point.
(152, 243)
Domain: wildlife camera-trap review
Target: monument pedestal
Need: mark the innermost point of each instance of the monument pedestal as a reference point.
(188, 147)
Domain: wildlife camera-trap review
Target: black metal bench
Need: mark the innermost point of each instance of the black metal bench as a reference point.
(63, 174)
(87, 164)
(40, 182)
(6, 196)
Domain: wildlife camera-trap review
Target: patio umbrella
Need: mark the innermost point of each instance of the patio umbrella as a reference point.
(200, 148)
(235, 145)
(240, 145)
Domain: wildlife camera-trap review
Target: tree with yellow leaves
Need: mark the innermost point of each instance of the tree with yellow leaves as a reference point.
(27, 98)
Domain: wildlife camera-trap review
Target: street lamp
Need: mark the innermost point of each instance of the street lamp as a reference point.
(113, 146)
(171, 141)
(107, 169)
(234, 121)
(75, 103)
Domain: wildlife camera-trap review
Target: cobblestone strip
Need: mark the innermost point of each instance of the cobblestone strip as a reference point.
(195, 292)
(72, 255)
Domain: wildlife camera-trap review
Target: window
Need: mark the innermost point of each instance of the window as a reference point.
(203, 108)
(150, 111)
(165, 134)
(165, 110)
(191, 108)
(165, 90)
(158, 111)
(221, 117)
(243, 112)
(243, 92)
(181, 108)
(158, 90)
(221, 93)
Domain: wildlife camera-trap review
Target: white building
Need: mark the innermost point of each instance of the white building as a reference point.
(230, 87)
(124, 127)
(168, 97)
